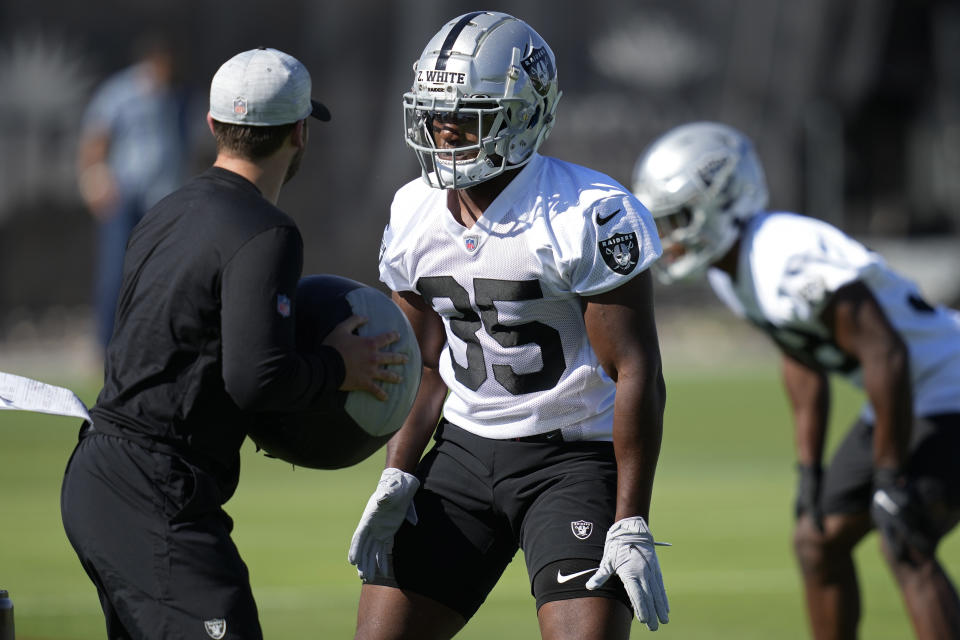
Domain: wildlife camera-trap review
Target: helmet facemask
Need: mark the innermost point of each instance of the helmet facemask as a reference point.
(469, 162)
(692, 239)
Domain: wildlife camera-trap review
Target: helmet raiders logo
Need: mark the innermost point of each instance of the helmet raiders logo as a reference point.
(621, 252)
(711, 168)
(216, 628)
(581, 529)
(539, 67)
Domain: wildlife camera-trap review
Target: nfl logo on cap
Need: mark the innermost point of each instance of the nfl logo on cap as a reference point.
(263, 88)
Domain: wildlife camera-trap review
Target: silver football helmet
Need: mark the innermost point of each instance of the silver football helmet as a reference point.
(700, 181)
(496, 78)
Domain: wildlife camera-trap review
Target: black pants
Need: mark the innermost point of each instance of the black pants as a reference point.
(932, 465)
(480, 500)
(149, 531)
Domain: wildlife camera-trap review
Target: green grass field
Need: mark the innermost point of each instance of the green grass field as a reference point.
(723, 498)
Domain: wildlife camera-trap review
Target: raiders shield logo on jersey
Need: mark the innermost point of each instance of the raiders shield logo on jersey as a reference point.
(621, 252)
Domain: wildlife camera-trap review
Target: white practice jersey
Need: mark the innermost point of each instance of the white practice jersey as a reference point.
(517, 360)
(790, 265)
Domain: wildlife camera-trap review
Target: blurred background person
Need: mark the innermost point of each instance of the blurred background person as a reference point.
(831, 306)
(131, 153)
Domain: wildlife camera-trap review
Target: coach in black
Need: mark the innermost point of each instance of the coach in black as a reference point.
(204, 339)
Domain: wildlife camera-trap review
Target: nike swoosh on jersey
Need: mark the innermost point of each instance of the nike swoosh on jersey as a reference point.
(562, 578)
(601, 220)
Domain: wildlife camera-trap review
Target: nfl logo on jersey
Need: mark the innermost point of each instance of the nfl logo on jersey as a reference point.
(470, 242)
(283, 305)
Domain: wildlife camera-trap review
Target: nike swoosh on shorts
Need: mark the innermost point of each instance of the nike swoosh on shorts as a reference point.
(562, 578)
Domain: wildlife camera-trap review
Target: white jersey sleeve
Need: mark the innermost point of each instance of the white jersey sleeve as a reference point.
(806, 261)
(789, 268)
(613, 239)
(411, 200)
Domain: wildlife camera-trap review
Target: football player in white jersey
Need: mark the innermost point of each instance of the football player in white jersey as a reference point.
(831, 306)
(526, 280)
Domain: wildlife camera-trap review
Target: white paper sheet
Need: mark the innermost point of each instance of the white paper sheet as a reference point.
(25, 394)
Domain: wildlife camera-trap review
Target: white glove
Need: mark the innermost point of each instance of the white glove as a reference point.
(629, 552)
(371, 548)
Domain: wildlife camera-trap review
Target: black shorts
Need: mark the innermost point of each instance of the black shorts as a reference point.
(933, 466)
(150, 533)
(482, 499)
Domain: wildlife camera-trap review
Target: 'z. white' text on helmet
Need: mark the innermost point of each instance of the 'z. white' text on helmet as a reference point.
(492, 74)
(700, 181)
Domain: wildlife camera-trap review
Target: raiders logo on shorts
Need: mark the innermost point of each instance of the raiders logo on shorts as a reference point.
(581, 529)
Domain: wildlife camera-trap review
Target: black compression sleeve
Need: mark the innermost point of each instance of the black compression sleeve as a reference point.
(262, 369)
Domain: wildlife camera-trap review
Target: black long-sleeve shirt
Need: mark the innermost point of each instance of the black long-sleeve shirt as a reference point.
(204, 333)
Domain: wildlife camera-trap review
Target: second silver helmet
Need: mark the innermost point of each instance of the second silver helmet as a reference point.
(700, 181)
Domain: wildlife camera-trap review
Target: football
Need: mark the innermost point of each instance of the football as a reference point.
(356, 424)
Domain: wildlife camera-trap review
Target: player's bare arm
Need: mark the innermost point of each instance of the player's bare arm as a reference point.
(808, 389)
(406, 447)
(371, 548)
(861, 329)
(622, 331)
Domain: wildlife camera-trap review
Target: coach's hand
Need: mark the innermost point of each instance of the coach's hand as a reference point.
(808, 493)
(900, 516)
(629, 553)
(371, 548)
(364, 360)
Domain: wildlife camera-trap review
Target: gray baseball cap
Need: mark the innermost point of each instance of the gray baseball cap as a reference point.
(263, 87)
